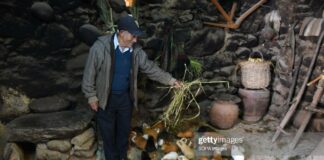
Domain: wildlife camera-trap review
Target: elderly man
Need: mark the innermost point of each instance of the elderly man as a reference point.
(110, 83)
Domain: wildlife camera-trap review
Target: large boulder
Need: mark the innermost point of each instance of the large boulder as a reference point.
(89, 33)
(12, 103)
(205, 42)
(42, 127)
(42, 10)
(77, 63)
(49, 104)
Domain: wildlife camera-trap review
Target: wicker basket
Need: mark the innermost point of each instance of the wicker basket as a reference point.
(255, 72)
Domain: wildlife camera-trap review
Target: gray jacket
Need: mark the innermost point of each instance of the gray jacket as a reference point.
(97, 75)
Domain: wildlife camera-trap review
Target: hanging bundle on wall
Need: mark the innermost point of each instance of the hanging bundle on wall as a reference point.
(255, 72)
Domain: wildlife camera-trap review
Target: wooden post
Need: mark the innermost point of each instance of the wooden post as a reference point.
(316, 98)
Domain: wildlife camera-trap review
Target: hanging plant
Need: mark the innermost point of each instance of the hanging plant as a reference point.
(106, 15)
(195, 67)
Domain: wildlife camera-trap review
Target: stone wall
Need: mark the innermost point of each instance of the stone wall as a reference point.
(44, 46)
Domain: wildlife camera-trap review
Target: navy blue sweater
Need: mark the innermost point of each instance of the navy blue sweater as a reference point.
(120, 82)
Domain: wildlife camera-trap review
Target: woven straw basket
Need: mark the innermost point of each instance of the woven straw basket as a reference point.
(255, 72)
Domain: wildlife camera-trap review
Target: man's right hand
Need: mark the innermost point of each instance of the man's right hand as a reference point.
(94, 106)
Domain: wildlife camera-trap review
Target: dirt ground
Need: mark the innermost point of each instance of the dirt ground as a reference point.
(257, 137)
(258, 146)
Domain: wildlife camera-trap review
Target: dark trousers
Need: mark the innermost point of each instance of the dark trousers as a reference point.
(114, 123)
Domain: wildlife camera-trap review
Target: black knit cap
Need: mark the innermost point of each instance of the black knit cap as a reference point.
(128, 23)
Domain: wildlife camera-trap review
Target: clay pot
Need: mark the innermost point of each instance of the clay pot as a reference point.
(223, 114)
(255, 103)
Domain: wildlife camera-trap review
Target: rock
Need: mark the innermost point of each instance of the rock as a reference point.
(284, 80)
(181, 35)
(3, 51)
(27, 61)
(155, 44)
(278, 99)
(13, 152)
(302, 16)
(205, 42)
(208, 74)
(12, 103)
(59, 145)
(301, 8)
(15, 26)
(118, 5)
(267, 33)
(161, 14)
(40, 127)
(42, 10)
(253, 22)
(205, 103)
(86, 146)
(208, 8)
(194, 25)
(222, 59)
(252, 41)
(77, 62)
(49, 104)
(153, 100)
(227, 71)
(3, 138)
(240, 38)
(231, 45)
(186, 17)
(143, 2)
(184, 4)
(81, 139)
(208, 89)
(57, 36)
(89, 33)
(281, 89)
(42, 152)
(227, 97)
(243, 52)
(82, 158)
(86, 153)
(64, 5)
(80, 49)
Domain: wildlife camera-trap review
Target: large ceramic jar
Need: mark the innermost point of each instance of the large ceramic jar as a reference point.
(223, 114)
(255, 103)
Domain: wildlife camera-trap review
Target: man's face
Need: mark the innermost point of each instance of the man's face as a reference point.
(127, 39)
